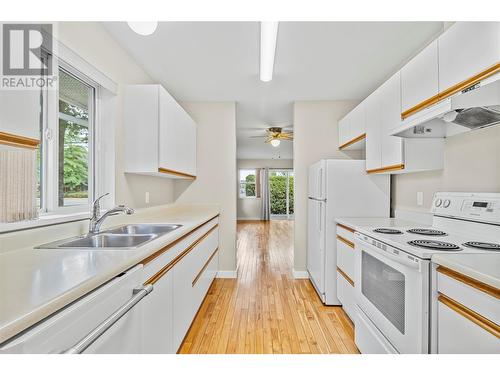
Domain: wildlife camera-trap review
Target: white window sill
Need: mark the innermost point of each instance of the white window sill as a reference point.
(43, 220)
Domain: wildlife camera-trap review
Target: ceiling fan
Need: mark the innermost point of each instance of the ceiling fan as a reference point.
(275, 135)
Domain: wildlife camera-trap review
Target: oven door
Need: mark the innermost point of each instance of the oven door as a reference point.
(392, 289)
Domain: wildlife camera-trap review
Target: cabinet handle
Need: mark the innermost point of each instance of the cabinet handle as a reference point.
(97, 332)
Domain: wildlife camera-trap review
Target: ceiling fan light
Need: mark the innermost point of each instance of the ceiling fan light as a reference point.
(275, 142)
(143, 28)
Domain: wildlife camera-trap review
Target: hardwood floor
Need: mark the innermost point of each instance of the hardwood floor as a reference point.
(265, 310)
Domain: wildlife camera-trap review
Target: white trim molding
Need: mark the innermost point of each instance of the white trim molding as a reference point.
(227, 274)
(300, 274)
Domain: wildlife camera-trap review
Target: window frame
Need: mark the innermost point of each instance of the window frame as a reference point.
(49, 189)
(246, 183)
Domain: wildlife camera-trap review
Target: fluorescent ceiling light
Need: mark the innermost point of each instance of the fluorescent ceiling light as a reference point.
(275, 142)
(268, 35)
(143, 28)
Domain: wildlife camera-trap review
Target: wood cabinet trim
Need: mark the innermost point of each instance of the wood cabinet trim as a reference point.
(352, 141)
(195, 280)
(452, 90)
(344, 275)
(172, 244)
(483, 287)
(389, 168)
(471, 315)
(14, 140)
(346, 227)
(157, 276)
(176, 173)
(347, 242)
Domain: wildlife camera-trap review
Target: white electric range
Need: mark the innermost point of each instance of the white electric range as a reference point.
(392, 280)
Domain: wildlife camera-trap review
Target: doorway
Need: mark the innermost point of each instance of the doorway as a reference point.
(281, 194)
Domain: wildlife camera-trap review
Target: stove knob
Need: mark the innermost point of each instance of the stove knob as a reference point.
(446, 203)
(438, 202)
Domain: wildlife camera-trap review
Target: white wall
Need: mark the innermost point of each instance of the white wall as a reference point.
(315, 126)
(93, 43)
(250, 208)
(471, 164)
(216, 171)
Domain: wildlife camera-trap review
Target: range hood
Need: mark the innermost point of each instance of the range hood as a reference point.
(474, 108)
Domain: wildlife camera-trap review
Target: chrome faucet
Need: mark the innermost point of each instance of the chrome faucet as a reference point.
(97, 219)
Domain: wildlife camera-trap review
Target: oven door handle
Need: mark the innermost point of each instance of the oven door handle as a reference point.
(401, 260)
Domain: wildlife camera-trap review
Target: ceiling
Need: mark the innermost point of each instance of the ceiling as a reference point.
(218, 61)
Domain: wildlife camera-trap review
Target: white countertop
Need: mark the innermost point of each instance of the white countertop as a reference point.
(360, 222)
(481, 267)
(36, 283)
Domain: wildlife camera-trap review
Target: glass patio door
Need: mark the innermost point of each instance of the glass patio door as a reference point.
(281, 193)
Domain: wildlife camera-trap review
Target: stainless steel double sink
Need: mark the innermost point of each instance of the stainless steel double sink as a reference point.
(127, 237)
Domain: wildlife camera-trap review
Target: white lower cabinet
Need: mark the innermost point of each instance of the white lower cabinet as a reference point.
(192, 277)
(157, 327)
(466, 315)
(345, 294)
(157, 323)
(459, 335)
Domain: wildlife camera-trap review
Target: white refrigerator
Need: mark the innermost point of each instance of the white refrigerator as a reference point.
(338, 188)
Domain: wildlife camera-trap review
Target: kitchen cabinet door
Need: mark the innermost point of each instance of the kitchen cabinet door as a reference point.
(177, 136)
(20, 113)
(357, 123)
(419, 77)
(390, 107)
(344, 130)
(466, 49)
(157, 330)
(373, 124)
(160, 137)
(459, 335)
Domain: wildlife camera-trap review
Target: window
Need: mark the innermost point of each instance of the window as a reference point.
(248, 183)
(281, 193)
(65, 159)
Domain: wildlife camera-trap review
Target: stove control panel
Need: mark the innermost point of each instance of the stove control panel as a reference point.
(482, 207)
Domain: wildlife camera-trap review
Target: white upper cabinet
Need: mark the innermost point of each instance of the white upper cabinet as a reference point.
(160, 137)
(20, 113)
(467, 49)
(344, 130)
(358, 126)
(373, 125)
(420, 78)
(390, 107)
(352, 129)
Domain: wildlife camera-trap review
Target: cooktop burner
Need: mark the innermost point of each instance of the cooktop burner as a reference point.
(387, 231)
(435, 245)
(427, 232)
(483, 245)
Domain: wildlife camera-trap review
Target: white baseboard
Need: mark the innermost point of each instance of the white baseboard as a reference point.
(227, 274)
(300, 274)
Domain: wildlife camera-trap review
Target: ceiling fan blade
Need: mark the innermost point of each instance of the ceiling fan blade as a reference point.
(258, 136)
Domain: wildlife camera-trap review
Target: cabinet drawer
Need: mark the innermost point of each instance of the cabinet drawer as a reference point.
(345, 258)
(457, 334)
(345, 232)
(168, 254)
(467, 295)
(345, 292)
